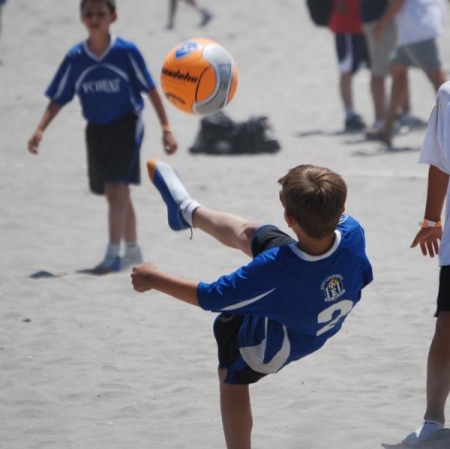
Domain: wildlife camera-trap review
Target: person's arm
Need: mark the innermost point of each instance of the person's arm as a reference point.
(394, 7)
(428, 238)
(169, 142)
(146, 277)
(49, 114)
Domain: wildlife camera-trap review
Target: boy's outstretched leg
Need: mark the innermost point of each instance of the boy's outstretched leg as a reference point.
(185, 212)
(236, 413)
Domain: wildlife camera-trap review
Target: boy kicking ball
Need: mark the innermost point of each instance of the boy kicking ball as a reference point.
(292, 296)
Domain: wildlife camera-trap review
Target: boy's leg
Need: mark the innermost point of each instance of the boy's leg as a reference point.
(118, 197)
(132, 255)
(129, 232)
(230, 230)
(438, 382)
(438, 372)
(184, 212)
(236, 413)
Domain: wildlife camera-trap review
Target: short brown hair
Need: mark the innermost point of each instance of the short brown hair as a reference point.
(314, 197)
(111, 4)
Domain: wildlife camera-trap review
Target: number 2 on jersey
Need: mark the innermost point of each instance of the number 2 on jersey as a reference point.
(326, 316)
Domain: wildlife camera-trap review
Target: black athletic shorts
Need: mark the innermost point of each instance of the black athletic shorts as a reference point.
(352, 52)
(443, 299)
(227, 326)
(113, 152)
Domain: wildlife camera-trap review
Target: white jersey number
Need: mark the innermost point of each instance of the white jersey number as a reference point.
(326, 316)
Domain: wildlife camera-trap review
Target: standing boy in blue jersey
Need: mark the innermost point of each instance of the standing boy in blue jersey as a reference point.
(109, 75)
(288, 301)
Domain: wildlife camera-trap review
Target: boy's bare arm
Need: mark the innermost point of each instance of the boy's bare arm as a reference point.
(146, 277)
(169, 142)
(49, 114)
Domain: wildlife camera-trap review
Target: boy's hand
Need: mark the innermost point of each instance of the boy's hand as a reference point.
(428, 239)
(34, 142)
(142, 277)
(169, 142)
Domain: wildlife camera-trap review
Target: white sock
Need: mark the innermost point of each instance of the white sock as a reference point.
(131, 247)
(112, 250)
(187, 208)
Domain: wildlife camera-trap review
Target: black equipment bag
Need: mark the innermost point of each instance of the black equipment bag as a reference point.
(219, 134)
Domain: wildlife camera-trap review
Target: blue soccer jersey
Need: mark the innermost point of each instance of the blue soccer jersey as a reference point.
(292, 302)
(109, 86)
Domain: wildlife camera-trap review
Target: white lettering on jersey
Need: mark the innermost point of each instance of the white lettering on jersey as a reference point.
(105, 86)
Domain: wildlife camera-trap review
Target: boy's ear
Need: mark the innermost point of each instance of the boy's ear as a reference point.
(113, 17)
(281, 196)
(289, 219)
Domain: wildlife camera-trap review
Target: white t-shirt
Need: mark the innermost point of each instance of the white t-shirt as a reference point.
(436, 151)
(420, 20)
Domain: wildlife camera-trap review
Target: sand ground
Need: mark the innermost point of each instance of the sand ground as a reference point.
(86, 362)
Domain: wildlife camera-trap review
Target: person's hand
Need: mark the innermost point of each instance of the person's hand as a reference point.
(142, 277)
(428, 239)
(34, 141)
(378, 31)
(169, 142)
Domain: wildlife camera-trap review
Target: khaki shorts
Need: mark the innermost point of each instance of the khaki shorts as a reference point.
(381, 51)
(424, 55)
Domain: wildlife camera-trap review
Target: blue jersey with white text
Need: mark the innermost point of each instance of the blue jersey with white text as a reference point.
(292, 302)
(109, 87)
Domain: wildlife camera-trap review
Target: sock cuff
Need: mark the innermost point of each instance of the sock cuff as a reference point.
(187, 208)
(113, 250)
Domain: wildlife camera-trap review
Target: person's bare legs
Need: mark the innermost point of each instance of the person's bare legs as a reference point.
(236, 413)
(437, 78)
(130, 232)
(406, 105)
(398, 95)
(228, 229)
(378, 91)
(345, 89)
(438, 370)
(118, 197)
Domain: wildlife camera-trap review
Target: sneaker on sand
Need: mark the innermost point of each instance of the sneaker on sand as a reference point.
(206, 18)
(422, 433)
(354, 123)
(131, 258)
(172, 191)
(110, 264)
(412, 121)
(381, 135)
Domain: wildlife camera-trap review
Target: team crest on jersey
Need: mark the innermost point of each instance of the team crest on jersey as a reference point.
(343, 218)
(333, 287)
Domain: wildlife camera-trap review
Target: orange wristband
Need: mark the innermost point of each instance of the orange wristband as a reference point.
(430, 224)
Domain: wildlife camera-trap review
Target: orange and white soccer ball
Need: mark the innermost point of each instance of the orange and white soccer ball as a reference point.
(199, 76)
